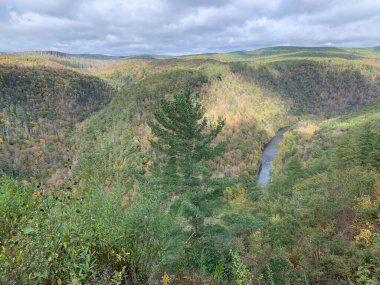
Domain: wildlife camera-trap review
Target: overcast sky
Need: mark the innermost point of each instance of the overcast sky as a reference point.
(123, 27)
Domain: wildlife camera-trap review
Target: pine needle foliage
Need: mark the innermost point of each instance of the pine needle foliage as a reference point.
(185, 137)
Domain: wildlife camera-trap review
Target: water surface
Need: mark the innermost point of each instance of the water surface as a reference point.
(270, 153)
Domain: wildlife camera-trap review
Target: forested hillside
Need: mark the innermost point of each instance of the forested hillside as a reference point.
(316, 87)
(39, 108)
(87, 198)
(322, 208)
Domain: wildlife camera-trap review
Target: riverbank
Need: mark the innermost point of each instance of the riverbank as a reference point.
(270, 153)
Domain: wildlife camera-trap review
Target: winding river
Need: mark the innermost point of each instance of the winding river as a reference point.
(270, 153)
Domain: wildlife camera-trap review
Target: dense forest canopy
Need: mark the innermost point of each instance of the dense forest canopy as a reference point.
(39, 107)
(119, 170)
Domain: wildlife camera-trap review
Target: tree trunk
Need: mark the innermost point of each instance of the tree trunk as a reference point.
(194, 226)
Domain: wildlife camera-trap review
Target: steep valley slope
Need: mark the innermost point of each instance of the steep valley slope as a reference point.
(81, 206)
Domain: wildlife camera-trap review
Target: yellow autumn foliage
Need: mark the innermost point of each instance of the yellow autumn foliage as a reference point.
(275, 219)
(307, 132)
(236, 195)
(165, 280)
(364, 237)
(365, 203)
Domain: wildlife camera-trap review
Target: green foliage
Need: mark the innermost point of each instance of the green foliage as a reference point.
(241, 274)
(14, 204)
(39, 107)
(321, 207)
(102, 206)
(58, 238)
(184, 136)
(314, 87)
(361, 147)
(117, 136)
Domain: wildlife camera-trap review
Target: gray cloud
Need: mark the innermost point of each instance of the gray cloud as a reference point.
(188, 26)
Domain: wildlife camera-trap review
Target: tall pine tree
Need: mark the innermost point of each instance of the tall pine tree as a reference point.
(185, 137)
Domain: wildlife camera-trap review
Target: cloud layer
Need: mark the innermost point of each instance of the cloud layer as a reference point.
(186, 26)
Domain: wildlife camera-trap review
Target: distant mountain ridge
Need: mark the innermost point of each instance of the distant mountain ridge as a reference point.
(75, 130)
(85, 55)
(267, 51)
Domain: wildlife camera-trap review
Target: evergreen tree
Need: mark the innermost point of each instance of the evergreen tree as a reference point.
(185, 137)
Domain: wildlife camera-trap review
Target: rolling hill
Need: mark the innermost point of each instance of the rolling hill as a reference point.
(85, 203)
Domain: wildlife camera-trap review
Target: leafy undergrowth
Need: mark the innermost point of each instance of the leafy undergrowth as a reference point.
(87, 238)
(322, 208)
(316, 223)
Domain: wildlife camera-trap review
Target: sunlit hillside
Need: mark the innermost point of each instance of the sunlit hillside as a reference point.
(82, 197)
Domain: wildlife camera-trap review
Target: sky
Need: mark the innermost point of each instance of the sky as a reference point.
(126, 27)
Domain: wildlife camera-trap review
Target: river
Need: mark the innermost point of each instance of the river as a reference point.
(270, 153)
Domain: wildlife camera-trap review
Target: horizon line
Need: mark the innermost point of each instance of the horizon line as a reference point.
(183, 54)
